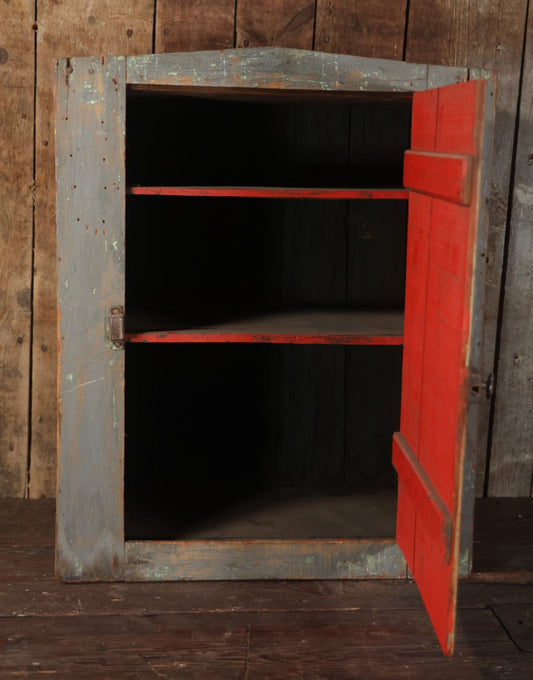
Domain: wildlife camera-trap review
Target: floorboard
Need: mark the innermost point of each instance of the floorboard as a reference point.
(503, 539)
(254, 630)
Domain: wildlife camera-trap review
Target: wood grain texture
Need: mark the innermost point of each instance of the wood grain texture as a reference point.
(485, 35)
(504, 538)
(16, 233)
(194, 25)
(279, 23)
(265, 560)
(511, 457)
(70, 28)
(517, 619)
(274, 645)
(27, 523)
(276, 68)
(91, 96)
(135, 648)
(369, 29)
(24, 596)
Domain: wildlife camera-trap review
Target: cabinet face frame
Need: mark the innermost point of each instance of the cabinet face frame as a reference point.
(90, 152)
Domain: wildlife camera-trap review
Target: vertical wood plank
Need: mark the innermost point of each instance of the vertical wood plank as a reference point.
(194, 25)
(311, 440)
(91, 279)
(373, 378)
(65, 28)
(482, 35)
(511, 459)
(314, 273)
(16, 153)
(278, 23)
(368, 29)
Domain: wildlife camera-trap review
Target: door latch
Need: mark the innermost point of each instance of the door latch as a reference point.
(116, 326)
(479, 386)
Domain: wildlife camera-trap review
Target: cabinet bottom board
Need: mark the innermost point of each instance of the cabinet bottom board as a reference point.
(275, 536)
(241, 560)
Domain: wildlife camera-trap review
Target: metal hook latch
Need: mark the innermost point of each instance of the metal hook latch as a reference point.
(116, 326)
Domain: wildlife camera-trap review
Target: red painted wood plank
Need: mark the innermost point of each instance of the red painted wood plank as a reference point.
(271, 192)
(424, 120)
(275, 338)
(310, 326)
(447, 176)
(444, 368)
(419, 222)
(459, 113)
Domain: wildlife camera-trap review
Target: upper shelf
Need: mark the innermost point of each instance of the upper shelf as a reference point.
(302, 326)
(269, 192)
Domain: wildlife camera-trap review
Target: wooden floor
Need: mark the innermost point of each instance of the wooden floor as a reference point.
(259, 630)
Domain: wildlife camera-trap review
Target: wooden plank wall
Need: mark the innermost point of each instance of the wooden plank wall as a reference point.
(511, 460)
(474, 33)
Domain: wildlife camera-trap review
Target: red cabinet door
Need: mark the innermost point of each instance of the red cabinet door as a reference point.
(443, 172)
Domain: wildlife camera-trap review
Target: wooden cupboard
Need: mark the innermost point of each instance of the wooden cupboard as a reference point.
(250, 244)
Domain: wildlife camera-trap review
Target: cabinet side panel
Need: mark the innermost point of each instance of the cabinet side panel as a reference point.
(90, 129)
(478, 398)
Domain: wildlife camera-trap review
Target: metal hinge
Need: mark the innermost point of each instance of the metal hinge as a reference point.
(116, 326)
(479, 386)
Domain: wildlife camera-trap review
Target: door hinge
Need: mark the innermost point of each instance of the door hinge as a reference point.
(116, 326)
(479, 387)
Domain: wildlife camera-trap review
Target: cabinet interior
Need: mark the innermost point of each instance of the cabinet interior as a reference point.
(287, 435)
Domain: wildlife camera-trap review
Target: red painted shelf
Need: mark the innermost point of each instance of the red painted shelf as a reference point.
(300, 327)
(271, 192)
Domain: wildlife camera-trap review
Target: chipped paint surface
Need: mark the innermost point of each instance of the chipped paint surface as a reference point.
(90, 128)
(263, 559)
(281, 68)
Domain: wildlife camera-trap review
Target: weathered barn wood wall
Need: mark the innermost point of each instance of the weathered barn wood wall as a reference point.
(16, 233)
(511, 459)
(475, 33)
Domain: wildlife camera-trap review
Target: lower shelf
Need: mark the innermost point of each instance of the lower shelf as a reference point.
(274, 536)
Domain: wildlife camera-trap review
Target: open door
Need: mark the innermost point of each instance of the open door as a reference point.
(442, 170)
